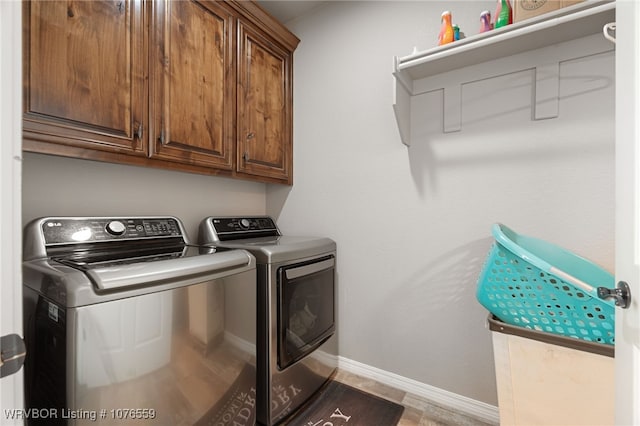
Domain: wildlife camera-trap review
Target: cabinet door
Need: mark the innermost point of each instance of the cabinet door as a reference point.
(84, 75)
(192, 83)
(264, 107)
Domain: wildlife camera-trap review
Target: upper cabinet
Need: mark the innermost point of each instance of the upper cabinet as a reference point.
(264, 106)
(450, 66)
(192, 84)
(196, 86)
(84, 76)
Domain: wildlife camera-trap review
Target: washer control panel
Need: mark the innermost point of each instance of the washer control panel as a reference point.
(231, 228)
(86, 230)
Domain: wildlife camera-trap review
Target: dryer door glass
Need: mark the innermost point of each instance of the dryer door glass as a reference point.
(306, 308)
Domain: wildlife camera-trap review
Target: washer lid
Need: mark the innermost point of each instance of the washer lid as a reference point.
(204, 266)
(80, 260)
(80, 285)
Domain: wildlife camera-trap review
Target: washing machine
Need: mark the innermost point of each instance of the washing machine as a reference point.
(126, 322)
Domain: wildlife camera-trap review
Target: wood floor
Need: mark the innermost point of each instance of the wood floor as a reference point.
(417, 411)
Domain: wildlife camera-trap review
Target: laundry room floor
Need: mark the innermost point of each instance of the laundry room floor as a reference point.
(417, 410)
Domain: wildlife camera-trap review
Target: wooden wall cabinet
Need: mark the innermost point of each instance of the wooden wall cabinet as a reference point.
(264, 107)
(196, 86)
(192, 84)
(84, 77)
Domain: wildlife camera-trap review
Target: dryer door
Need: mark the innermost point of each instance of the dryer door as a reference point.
(306, 308)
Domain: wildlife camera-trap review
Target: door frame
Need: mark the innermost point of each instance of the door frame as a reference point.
(11, 387)
(627, 212)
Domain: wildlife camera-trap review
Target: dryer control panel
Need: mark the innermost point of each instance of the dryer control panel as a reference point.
(235, 228)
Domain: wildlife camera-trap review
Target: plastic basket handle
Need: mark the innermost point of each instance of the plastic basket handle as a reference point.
(570, 278)
(510, 245)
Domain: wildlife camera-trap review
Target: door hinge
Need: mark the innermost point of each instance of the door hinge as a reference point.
(161, 139)
(12, 354)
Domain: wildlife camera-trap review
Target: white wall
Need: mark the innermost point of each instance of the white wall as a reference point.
(413, 224)
(57, 186)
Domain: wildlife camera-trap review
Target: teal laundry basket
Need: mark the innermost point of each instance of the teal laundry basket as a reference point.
(534, 284)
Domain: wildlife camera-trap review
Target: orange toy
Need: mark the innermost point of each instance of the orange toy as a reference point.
(446, 29)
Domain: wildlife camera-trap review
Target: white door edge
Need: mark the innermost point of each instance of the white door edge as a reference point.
(11, 387)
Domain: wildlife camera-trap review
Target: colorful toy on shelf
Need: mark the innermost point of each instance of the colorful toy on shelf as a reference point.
(446, 29)
(504, 14)
(456, 32)
(510, 12)
(485, 21)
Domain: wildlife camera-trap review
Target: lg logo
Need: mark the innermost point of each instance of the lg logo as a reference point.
(53, 224)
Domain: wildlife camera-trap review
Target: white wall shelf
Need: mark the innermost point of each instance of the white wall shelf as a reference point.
(443, 67)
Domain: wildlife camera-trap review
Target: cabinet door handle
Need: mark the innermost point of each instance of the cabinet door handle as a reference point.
(139, 131)
(250, 136)
(245, 156)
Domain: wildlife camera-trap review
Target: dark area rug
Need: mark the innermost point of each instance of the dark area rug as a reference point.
(335, 404)
(338, 404)
(237, 406)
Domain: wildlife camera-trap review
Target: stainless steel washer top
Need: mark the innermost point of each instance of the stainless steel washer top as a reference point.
(78, 261)
(262, 238)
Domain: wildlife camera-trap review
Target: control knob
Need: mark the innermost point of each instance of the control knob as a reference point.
(115, 227)
(245, 223)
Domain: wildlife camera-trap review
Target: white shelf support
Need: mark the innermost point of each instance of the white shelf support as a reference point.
(402, 93)
(402, 110)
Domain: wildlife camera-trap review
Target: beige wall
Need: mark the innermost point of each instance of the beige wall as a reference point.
(57, 186)
(413, 225)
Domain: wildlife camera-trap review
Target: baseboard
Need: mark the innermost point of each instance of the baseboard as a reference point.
(441, 397)
(241, 344)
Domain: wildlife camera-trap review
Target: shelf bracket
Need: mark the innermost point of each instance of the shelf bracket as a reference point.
(547, 91)
(402, 106)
